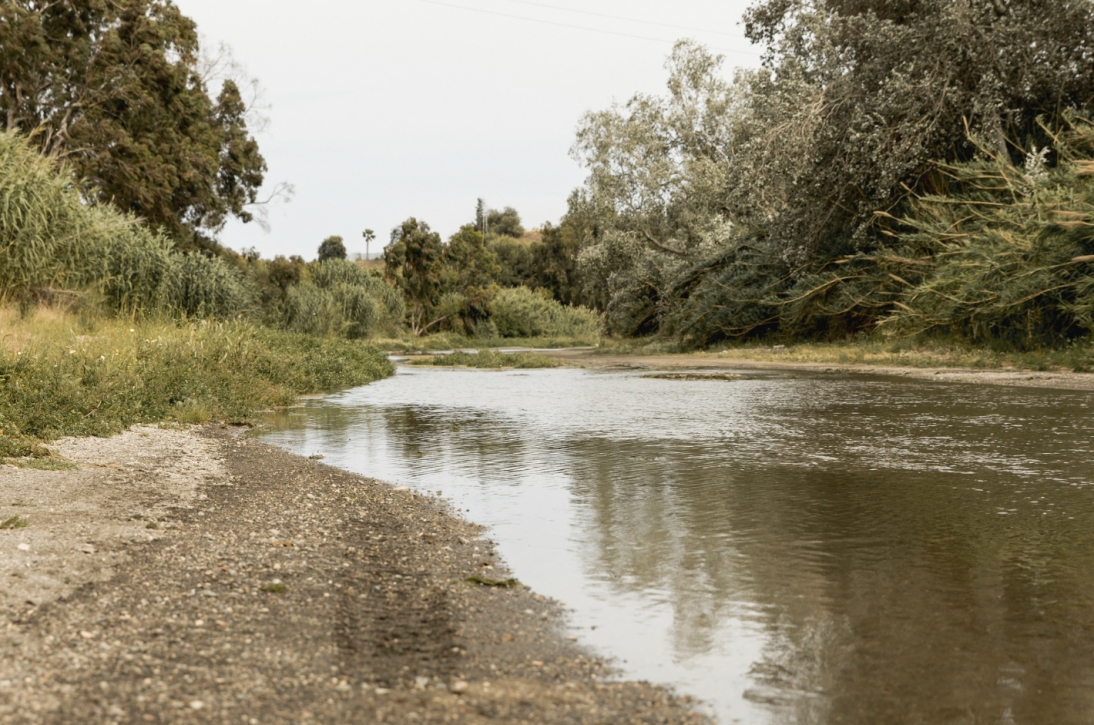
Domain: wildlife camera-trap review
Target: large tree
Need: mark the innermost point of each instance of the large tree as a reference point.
(727, 208)
(115, 89)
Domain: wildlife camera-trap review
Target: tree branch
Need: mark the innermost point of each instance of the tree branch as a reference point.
(664, 247)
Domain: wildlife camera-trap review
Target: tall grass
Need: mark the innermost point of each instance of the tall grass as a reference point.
(51, 239)
(343, 299)
(60, 376)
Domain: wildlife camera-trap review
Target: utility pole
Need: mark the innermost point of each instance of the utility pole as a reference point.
(369, 235)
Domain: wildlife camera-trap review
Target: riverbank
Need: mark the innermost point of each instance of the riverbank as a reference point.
(193, 575)
(72, 374)
(834, 361)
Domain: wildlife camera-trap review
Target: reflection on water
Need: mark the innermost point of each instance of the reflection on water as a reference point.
(801, 549)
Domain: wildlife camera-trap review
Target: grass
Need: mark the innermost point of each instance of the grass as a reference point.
(490, 359)
(449, 341)
(880, 351)
(42, 464)
(62, 375)
(15, 522)
(275, 588)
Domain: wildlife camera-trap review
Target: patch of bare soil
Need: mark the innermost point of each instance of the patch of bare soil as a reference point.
(275, 590)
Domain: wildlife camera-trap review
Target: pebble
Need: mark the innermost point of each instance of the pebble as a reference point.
(23, 547)
(459, 686)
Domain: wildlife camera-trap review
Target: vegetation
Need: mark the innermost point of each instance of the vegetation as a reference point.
(340, 298)
(53, 244)
(521, 312)
(332, 248)
(13, 522)
(446, 286)
(913, 167)
(63, 375)
(489, 359)
(122, 92)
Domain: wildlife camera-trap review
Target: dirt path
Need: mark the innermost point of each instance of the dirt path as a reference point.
(1014, 378)
(273, 589)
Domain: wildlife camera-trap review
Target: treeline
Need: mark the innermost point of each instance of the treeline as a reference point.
(920, 166)
(55, 246)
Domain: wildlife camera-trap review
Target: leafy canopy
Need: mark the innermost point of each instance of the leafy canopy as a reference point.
(115, 88)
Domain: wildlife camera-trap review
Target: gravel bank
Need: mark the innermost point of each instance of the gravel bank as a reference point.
(1058, 380)
(196, 576)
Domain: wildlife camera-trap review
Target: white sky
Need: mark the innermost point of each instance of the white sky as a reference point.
(385, 109)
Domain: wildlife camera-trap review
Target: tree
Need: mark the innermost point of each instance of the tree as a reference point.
(473, 271)
(113, 87)
(369, 236)
(883, 88)
(731, 208)
(480, 216)
(555, 262)
(414, 263)
(504, 223)
(654, 199)
(332, 248)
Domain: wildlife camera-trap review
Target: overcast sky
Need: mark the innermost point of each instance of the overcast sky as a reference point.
(385, 109)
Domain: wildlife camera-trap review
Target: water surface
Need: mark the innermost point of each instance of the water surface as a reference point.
(789, 548)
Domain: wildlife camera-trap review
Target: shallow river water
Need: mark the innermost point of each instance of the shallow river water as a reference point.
(788, 548)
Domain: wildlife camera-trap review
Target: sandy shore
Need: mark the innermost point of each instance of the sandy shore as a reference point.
(1015, 378)
(196, 576)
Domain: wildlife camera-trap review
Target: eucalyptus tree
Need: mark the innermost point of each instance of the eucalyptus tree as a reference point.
(116, 89)
(654, 198)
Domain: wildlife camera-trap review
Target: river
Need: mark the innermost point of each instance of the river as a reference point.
(789, 548)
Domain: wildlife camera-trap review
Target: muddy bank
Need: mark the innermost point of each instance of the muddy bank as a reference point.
(1059, 380)
(196, 576)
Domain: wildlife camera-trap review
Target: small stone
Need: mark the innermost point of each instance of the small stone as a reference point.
(199, 622)
(196, 704)
(421, 682)
(459, 686)
(87, 635)
(23, 547)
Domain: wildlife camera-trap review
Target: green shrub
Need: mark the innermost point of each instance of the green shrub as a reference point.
(344, 300)
(204, 287)
(521, 312)
(490, 359)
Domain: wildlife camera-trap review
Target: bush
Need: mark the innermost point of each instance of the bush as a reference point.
(521, 312)
(343, 300)
(490, 359)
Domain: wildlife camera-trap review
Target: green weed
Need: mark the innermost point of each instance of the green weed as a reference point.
(15, 522)
(42, 464)
(487, 582)
(490, 359)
